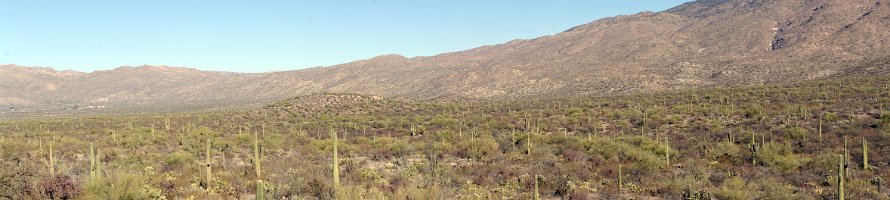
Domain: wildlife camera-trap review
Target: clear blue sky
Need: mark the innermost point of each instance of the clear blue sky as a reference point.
(260, 36)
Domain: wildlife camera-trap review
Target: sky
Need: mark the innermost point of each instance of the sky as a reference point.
(263, 36)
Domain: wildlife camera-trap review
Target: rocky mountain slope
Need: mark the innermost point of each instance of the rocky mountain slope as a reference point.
(698, 44)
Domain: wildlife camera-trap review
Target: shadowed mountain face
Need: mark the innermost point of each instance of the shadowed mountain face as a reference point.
(698, 44)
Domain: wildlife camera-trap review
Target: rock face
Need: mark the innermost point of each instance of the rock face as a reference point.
(698, 44)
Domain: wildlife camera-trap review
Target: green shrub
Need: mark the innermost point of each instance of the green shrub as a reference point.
(727, 149)
(610, 149)
(398, 147)
(796, 133)
(117, 186)
(831, 117)
(648, 145)
(774, 188)
(823, 162)
(780, 157)
(179, 159)
(429, 192)
(359, 192)
(735, 188)
(16, 178)
(386, 147)
(478, 148)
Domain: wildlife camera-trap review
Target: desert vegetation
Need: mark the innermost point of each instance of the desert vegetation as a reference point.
(822, 139)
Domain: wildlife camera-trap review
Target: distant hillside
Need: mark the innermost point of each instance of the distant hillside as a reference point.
(698, 44)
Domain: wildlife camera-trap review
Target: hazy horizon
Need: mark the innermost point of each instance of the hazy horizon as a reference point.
(274, 36)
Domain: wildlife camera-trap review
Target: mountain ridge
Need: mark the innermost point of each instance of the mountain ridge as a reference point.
(702, 43)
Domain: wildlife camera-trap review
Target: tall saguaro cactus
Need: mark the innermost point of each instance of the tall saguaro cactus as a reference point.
(620, 181)
(208, 163)
(336, 164)
(667, 152)
(167, 124)
(753, 149)
(93, 166)
(260, 190)
(864, 153)
(846, 154)
(840, 179)
(51, 164)
(513, 138)
(528, 143)
(644, 118)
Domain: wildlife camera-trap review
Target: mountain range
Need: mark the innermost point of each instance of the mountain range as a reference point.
(704, 43)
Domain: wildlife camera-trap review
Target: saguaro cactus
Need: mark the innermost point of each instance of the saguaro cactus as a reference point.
(731, 137)
(753, 149)
(821, 118)
(208, 163)
(460, 129)
(167, 124)
(620, 181)
(93, 166)
(667, 152)
(846, 154)
(643, 125)
(864, 153)
(513, 138)
(336, 163)
(51, 164)
(840, 179)
(260, 190)
(528, 143)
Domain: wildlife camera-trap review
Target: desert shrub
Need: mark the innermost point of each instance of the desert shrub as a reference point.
(735, 188)
(776, 189)
(387, 147)
(15, 179)
(831, 117)
(780, 157)
(796, 133)
(861, 188)
(179, 159)
(673, 119)
(116, 186)
(648, 145)
(752, 112)
(359, 192)
(824, 162)
(478, 148)
(440, 148)
(275, 141)
(60, 187)
(372, 176)
(319, 188)
(726, 149)
(428, 192)
(244, 139)
(561, 144)
(678, 186)
(398, 147)
(611, 149)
